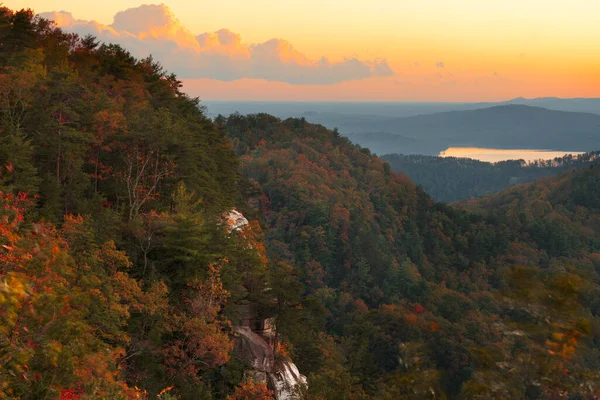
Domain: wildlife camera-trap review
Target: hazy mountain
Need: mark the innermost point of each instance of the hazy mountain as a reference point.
(386, 143)
(316, 110)
(428, 128)
(509, 126)
(320, 111)
(555, 103)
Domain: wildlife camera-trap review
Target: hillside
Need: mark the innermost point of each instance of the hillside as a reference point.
(560, 214)
(404, 278)
(118, 276)
(451, 179)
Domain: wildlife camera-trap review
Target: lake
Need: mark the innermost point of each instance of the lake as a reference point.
(495, 155)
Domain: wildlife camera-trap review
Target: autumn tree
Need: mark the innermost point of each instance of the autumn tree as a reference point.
(251, 390)
(62, 317)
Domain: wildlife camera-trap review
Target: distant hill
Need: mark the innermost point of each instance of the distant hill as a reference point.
(510, 126)
(451, 179)
(428, 128)
(560, 214)
(385, 142)
(319, 111)
(588, 105)
(507, 126)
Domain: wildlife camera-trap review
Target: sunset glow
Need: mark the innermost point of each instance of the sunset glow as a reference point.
(496, 155)
(431, 50)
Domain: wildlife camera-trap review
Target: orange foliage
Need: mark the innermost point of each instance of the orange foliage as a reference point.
(563, 344)
(254, 235)
(52, 300)
(410, 318)
(282, 349)
(251, 390)
(202, 341)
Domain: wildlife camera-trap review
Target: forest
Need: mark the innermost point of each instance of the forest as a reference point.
(120, 279)
(451, 179)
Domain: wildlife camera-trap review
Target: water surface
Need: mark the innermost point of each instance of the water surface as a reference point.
(495, 155)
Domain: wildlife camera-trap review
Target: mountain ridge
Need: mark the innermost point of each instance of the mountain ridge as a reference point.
(501, 126)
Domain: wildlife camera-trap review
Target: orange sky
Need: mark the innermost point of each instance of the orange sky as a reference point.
(450, 50)
(417, 87)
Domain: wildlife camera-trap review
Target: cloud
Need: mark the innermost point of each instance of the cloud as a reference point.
(440, 64)
(221, 55)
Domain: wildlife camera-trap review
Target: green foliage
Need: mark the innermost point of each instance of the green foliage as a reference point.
(135, 179)
(452, 179)
(419, 299)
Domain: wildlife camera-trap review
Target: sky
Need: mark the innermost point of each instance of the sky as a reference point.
(338, 50)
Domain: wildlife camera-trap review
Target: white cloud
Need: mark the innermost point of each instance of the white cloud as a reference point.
(153, 29)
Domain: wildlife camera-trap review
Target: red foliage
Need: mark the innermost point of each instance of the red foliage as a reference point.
(70, 394)
(360, 307)
(11, 218)
(419, 309)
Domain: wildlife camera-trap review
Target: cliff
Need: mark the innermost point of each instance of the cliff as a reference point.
(281, 376)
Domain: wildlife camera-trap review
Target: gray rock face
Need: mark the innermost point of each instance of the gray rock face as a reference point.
(253, 349)
(282, 377)
(234, 220)
(287, 381)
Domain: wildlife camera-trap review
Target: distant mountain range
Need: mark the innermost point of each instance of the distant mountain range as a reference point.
(309, 110)
(587, 105)
(506, 126)
(428, 128)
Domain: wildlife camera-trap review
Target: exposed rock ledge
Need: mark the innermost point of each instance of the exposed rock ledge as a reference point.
(282, 377)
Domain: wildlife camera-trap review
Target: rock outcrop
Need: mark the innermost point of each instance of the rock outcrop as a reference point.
(282, 377)
(234, 220)
(253, 350)
(286, 381)
(255, 342)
